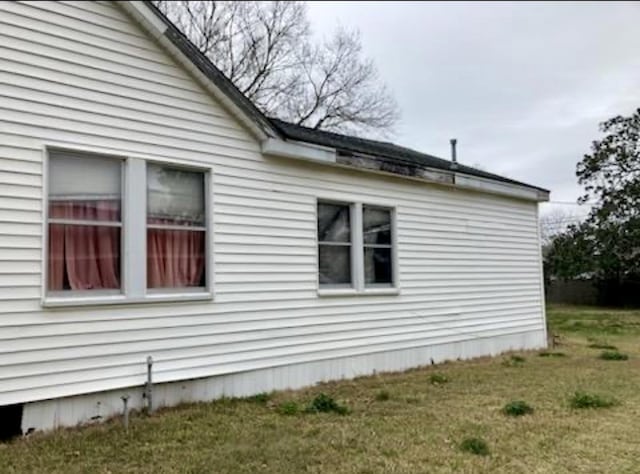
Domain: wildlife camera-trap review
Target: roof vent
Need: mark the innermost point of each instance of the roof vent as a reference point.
(454, 158)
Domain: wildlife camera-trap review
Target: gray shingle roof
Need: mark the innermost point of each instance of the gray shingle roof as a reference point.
(382, 150)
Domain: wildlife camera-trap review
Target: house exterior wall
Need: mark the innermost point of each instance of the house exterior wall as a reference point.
(82, 75)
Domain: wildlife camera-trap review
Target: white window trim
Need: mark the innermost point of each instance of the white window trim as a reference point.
(358, 287)
(134, 237)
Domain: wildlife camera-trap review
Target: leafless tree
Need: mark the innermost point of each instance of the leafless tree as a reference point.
(267, 50)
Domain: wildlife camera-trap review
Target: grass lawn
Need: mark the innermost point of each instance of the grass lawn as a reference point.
(405, 422)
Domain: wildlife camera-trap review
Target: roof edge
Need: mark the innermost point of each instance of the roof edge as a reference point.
(405, 161)
(328, 156)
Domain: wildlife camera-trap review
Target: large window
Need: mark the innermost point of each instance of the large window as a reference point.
(85, 223)
(176, 228)
(355, 246)
(124, 227)
(334, 244)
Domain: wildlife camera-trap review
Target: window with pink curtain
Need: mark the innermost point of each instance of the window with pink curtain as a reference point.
(176, 228)
(84, 223)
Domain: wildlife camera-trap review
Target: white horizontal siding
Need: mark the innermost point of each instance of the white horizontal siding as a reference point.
(82, 74)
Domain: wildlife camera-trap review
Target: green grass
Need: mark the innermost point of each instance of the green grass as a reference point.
(383, 396)
(475, 446)
(260, 398)
(613, 355)
(420, 428)
(591, 400)
(289, 408)
(438, 379)
(552, 354)
(594, 322)
(602, 345)
(323, 403)
(517, 408)
(514, 360)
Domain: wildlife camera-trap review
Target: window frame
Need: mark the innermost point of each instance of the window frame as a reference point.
(59, 294)
(352, 247)
(358, 287)
(152, 292)
(133, 235)
(391, 246)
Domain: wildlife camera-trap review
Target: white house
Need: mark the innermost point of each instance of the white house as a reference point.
(147, 209)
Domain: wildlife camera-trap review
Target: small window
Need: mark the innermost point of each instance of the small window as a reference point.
(378, 249)
(176, 228)
(84, 223)
(334, 244)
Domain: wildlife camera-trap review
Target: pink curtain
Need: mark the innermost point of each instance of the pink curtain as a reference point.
(83, 257)
(175, 258)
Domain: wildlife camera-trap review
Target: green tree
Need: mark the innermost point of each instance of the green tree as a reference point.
(607, 244)
(569, 254)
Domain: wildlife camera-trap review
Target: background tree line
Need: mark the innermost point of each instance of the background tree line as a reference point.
(606, 246)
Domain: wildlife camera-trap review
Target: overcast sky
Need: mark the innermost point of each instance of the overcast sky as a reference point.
(522, 86)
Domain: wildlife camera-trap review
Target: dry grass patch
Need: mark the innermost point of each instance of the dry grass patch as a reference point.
(423, 435)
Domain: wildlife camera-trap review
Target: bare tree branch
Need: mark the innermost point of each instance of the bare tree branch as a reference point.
(266, 49)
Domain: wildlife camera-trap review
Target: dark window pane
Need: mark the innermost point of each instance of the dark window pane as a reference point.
(175, 258)
(175, 196)
(83, 257)
(377, 266)
(335, 264)
(376, 225)
(333, 223)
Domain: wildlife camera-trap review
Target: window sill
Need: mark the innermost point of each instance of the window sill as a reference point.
(381, 291)
(332, 292)
(64, 302)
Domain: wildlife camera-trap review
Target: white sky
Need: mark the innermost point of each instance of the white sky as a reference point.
(522, 86)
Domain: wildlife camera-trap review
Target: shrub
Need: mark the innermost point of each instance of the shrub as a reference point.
(323, 403)
(590, 400)
(475, 446)
(600, 345)
(288, 408)
(613, 355)
(438, 379)
(552, 354)
(382, 396)
(517, 408)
